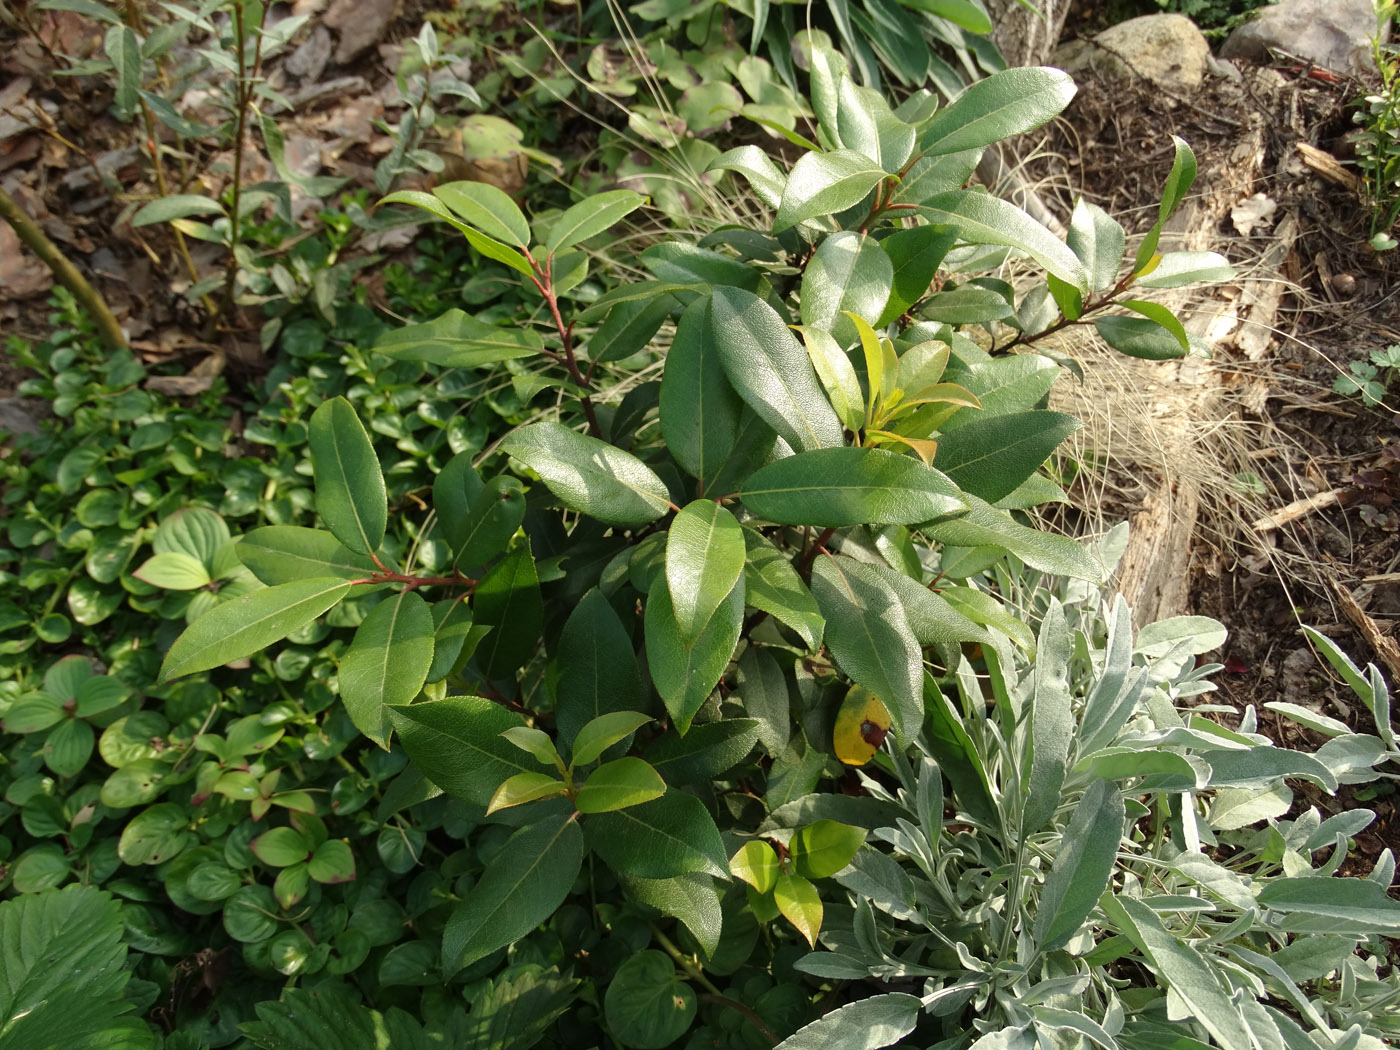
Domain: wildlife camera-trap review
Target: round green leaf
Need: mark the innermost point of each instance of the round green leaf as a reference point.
(155, 835)
(291, 885)
(756, 864)
(250, 915)
(40, 868)
(290, 951)
(131, 738)
(69, 746)
(135, 783)
(280, 847)
(332, 862)
(54, 628)
(824, 848)
(616, 785)
(212, 881)
(647, 1005)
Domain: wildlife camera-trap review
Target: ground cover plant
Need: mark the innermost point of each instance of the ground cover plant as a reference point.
(781, 728)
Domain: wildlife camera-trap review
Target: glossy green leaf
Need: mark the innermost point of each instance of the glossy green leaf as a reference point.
(1082, 867)
(668, 836)
(332, 862)
(969, 14)
(704, 559)
(624, 782)
(757, 864)
(848, 271)
(691, 898)
(1183, 970)
(591, 216)
(823, 184)
(457, 340)
(534, 742)
(280, 847)
(980, 218)
(983, 525)
(764, 177)
(155, 835)
(799, 903)
(1139, 337)
(933, 619)
(1099, 242)
(915, 256)
(769, 370)
(287, 553)
(487, 208)
(495, 515)
(387, 662)
(773, 585)
(835, 487)
(248, 624)
(705, 753)
(701, 415)
(1178, 269)
(350, 495)
(523, 788)
(508, 600)
(998, 107)
(524, 884)
(457, 744)
(992, 455)
(590, 476)
(603, 732)
(823, 848)
(598, 671)
(685, 670)
(629, 327)
(837, 374)
(867, 633)
(487, 246)
(647, 1005)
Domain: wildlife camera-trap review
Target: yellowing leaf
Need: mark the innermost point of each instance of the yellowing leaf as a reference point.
(861, 725)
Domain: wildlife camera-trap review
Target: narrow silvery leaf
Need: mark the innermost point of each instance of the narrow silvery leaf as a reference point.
(878, 1021)
(1082, 867)
(1183, 969)
(1052, 726)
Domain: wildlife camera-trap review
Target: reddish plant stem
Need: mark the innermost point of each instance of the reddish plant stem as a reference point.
(804, 567)
(545, 283)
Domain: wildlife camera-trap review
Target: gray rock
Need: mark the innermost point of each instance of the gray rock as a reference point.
(1334, 34)
(1165, 51)
(360, 23)
(309, 61)
(19, 415)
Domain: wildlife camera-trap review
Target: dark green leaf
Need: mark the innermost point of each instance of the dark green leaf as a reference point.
(704, 559)
(508, 600)
(387, 663)
(457, 743)
(287, 553)
(952, 749)
(998, 107)
(849, 271)
(647, 1005)
(772, 584)
(1099, 241)
(980, 218)
(597, 667)
(992, 455)
(983, 525)
(685, 670)
(487, 208)
(835, 487)
(590, 476)
(768, 368)
(523, 885)
(350, 494)
(691, 898)
(1139, 337)
(706, 752)
(823, 184)
(668, 836)
(915, 254)
(250, 623)
(591, 216)
(457, 340)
